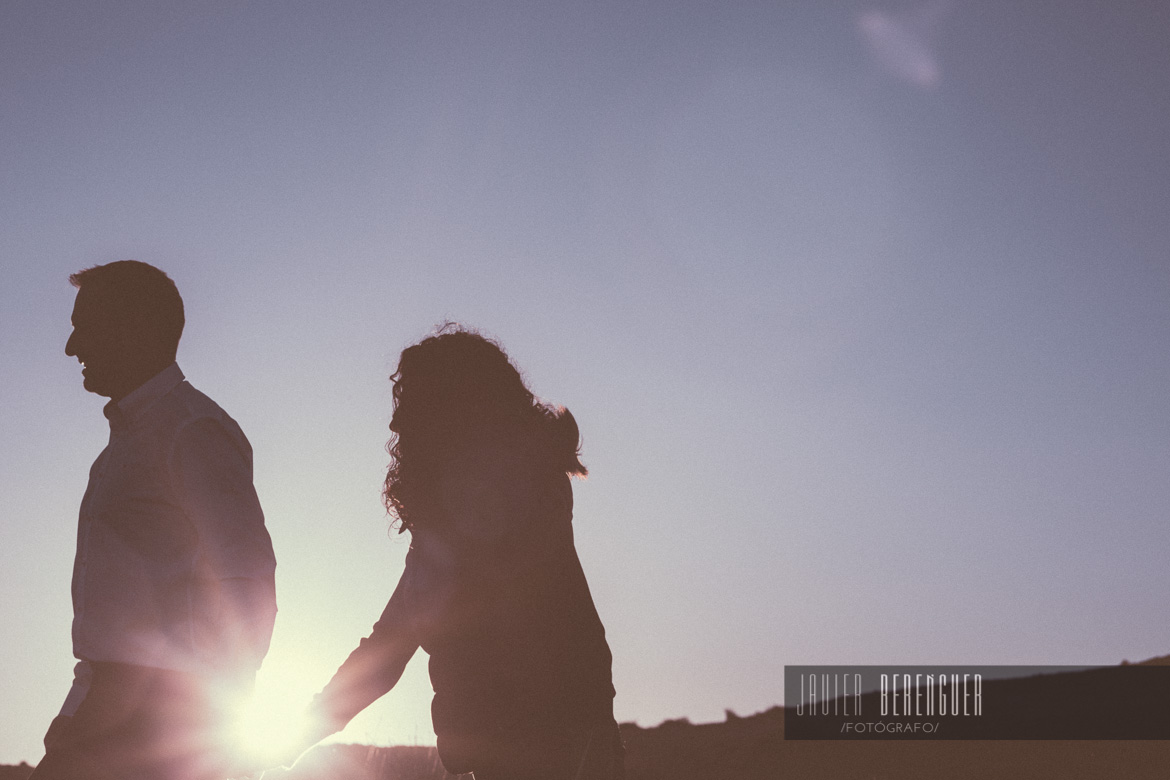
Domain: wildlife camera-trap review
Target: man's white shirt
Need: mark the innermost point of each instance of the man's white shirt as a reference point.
(174, 567)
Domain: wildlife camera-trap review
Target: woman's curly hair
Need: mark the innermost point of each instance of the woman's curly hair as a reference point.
(458, 387)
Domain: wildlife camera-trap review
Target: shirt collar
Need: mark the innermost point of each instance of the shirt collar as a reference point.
(123, 413)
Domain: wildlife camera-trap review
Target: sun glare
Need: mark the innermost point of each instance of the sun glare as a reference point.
(270, 724)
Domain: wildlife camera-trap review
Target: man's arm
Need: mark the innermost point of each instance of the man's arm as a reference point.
(212, 473)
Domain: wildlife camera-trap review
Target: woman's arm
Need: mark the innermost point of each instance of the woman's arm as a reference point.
(370, 671)
(374, 667)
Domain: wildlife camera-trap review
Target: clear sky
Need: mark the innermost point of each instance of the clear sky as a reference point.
(862, 310)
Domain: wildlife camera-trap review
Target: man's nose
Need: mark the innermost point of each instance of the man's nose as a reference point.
(70, 345)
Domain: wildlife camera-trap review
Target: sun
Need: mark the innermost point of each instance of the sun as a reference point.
(271, 725)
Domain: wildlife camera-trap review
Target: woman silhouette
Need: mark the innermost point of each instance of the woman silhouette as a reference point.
(493, 590)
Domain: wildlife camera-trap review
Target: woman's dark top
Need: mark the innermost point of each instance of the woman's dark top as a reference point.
(494, 592)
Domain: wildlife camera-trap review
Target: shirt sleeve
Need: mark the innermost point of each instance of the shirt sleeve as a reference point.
(375, 666)
(212, 474)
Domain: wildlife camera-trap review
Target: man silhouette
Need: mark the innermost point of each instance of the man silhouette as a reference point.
(173, 583)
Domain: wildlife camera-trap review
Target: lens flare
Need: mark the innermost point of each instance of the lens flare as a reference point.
(906, 44)
(270, 726)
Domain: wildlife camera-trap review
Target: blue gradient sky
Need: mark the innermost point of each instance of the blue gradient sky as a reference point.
(870, 367)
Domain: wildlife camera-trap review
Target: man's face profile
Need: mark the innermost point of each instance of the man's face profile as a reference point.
(99, 343)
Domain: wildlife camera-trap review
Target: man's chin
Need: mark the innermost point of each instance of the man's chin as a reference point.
(94, 386)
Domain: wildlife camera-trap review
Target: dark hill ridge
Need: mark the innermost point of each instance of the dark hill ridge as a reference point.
(754, 748)
(18, 772)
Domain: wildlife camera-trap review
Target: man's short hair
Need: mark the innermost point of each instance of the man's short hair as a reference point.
(142, 296)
